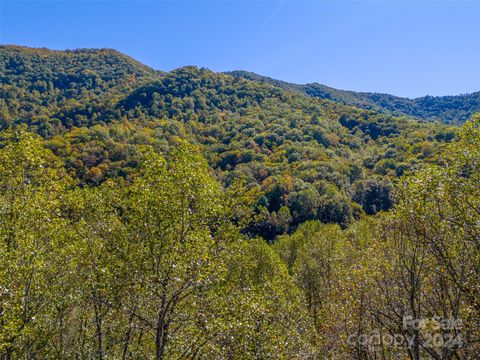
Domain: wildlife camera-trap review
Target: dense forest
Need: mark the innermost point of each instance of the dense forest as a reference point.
(447, 109)
(193, 214)
(304, 158)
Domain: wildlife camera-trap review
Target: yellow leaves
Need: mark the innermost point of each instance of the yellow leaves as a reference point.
(94, 173)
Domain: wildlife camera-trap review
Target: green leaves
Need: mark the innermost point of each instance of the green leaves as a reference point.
(32, 184)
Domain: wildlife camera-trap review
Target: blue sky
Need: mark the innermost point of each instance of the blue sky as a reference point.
(406, 48)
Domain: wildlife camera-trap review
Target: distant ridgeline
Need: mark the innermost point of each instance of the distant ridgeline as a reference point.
(446, 109)
(306, 151)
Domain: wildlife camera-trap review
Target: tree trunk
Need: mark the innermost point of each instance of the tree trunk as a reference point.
(161, 337)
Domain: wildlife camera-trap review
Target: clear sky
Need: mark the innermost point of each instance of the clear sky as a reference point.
(404, 48)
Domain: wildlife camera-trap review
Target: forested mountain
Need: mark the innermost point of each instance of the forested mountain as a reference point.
(445, 109)
(305, 158)
(197, 215)
(40, 86)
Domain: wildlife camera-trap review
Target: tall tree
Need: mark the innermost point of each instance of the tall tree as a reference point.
(32, 234)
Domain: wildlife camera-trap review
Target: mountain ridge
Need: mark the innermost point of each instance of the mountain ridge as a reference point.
(303, 156)
(450, 109)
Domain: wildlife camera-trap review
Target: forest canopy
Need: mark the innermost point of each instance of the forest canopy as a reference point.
(194, 214)
(304, 157)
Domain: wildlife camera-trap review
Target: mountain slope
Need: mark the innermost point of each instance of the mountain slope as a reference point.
(302, 157)
(36, 84)
(306, 157)
(446, 109)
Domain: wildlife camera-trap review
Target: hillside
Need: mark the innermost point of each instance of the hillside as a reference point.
(304, 158)
(198, 215)
(446, 109)
(39, 86)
